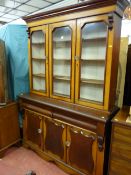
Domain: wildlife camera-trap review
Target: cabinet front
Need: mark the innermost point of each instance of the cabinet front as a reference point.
(33, 128)
(62, 52)
(91, 52)
(81, 149)
(55, 136)
(39, 60)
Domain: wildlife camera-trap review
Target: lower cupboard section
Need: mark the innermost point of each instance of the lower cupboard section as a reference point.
(73, 148)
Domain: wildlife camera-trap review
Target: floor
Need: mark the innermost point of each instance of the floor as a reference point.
(19, 161)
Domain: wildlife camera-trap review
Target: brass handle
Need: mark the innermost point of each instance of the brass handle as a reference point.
(68, 143)
(39, 131)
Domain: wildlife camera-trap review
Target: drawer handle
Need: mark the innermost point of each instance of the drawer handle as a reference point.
(68, 143)
(39, 131)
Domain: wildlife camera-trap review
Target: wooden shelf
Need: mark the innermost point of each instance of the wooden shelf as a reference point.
(91, 101)
(92, 81)
(39, 59)
(39, 75)
(61, 95)
(39, 90)
(64, 78)
(63, 59)
(93, 60)
(66, 41)
(38, 43)
(94, 39)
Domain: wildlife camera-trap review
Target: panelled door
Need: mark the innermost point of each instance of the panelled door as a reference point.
(92, 53)
(33, 128)
(81, 149)
(54, 138)
(62, 39)
(38, 47)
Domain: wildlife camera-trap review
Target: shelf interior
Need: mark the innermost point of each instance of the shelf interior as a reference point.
(92, 81)
(58, 77)
(39, 75)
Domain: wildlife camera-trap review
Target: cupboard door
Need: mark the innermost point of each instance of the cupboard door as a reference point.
(39, 60)
(62, 52)
(81, 149)
(92, 42)
(33, 128)
(55, 136)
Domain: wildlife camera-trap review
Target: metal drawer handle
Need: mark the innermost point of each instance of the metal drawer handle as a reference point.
(39, 131)
(67, 143)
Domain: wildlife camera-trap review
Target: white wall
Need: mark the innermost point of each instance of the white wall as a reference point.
(126, 29)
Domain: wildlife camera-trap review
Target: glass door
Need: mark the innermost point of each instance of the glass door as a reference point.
(91, 61)
(62, 51)
(39, 60)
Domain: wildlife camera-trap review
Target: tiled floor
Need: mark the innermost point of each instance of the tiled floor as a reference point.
(18, 161)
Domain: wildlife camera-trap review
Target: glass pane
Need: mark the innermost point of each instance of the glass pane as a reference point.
(93, 57)
(62, 61)
(38, 60)
(38, 84)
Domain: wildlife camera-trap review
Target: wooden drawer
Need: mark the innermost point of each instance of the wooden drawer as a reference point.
(120, 159)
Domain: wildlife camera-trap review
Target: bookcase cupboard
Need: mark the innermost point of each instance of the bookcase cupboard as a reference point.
(73, 59)
(79, 61)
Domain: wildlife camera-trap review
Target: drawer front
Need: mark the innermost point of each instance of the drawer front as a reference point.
(120, 160)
